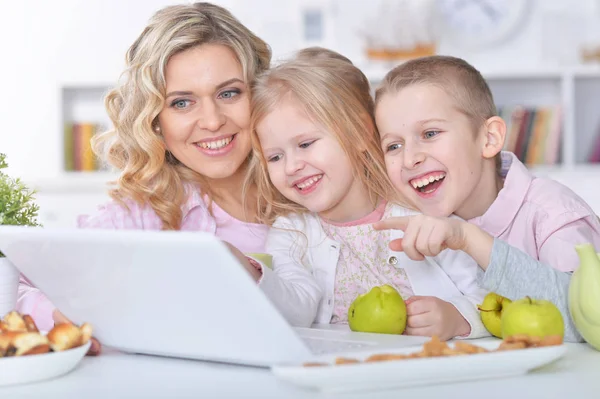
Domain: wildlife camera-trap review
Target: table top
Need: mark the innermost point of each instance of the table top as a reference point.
(120, 375)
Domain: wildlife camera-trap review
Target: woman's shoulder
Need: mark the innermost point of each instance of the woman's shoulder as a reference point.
(123, 214)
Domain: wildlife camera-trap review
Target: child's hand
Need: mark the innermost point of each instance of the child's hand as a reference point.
(428, 236)
(425, 235)
(429, 316)
(58, 318)
(254, 271)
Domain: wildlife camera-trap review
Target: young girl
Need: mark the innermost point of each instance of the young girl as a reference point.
(322, 183)
(442, 141)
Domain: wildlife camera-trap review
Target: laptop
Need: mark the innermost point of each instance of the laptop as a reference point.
(178, 294)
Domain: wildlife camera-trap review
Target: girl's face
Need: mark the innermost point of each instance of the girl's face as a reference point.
(307, 165)
(206, 117)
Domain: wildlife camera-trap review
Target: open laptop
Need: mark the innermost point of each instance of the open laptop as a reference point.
(180, 294)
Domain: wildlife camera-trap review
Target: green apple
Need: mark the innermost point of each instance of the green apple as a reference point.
(264, 258)
(536, 318)
(491, 312)
(381, 310)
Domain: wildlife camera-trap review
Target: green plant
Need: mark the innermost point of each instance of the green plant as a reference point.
(17, 206)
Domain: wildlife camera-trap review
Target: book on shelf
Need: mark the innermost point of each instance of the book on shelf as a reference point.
(78, 154)
(533, 134)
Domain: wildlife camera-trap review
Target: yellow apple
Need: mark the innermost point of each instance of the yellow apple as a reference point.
(381, 310)
(266, 259)
(536, 318)
(491, 312)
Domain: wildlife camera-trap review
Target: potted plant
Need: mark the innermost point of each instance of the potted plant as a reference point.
(17, 207)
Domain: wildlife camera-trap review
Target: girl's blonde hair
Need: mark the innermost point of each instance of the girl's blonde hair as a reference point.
(150, 174)
(337, 96)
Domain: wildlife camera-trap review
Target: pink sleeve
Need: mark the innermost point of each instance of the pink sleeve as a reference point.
(32, 302)
(558, 247)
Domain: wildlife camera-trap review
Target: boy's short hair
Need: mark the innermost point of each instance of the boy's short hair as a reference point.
(455, 76)
(459, 79)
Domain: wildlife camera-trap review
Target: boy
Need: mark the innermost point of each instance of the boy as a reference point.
(442, 141)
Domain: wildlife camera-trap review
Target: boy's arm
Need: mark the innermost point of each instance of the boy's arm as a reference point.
(290, 286)
(510, 274)
(478, 244)
(509, 271)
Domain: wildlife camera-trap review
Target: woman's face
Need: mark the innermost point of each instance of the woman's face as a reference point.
(206, 117)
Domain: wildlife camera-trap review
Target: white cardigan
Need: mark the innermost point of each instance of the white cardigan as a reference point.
(301, 284)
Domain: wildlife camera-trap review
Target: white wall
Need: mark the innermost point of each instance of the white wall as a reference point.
(46, 44)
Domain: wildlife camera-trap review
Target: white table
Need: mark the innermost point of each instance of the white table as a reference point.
(118, 375)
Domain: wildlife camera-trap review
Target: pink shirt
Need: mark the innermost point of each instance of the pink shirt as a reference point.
(540, 216)
(247, 237)
(363, 262)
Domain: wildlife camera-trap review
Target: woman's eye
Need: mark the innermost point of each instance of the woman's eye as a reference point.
(431, 133)
(180, 104)
(229, 94)
(274, 158)
(393, 147)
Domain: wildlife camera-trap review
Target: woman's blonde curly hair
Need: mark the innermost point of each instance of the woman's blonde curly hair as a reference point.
(149, 173)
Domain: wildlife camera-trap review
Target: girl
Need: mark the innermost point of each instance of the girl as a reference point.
(321, 184)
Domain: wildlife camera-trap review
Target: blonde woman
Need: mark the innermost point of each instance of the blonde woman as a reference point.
(181, 136)
(322, 183)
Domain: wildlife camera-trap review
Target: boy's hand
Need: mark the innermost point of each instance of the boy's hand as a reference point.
(425, 235)
(429, 316)
(428, 236)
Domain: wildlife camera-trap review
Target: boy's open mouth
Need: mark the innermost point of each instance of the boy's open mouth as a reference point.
(428, 183)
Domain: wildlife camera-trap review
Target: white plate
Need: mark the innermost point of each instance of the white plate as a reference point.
(23, 369)
(410, 372)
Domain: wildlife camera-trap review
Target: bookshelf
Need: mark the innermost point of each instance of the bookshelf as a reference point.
(82, 117)
(80, 103)
(576, 90)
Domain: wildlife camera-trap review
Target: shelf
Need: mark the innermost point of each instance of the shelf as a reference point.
(86, 85)
(74, 182)
(375, 72)
(97, 182)
(581, 170)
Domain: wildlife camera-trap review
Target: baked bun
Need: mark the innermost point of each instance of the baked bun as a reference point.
(19, 336)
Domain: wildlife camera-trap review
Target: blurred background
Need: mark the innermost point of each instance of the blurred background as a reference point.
(541, 59)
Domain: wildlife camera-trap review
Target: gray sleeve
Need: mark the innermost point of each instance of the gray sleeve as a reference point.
(514, 274)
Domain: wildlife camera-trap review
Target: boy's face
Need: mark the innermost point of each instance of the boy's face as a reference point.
(433, 157)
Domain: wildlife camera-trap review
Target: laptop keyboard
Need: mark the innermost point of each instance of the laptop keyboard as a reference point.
(320, 346)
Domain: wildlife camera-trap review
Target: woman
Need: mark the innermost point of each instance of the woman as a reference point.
(181, 137)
